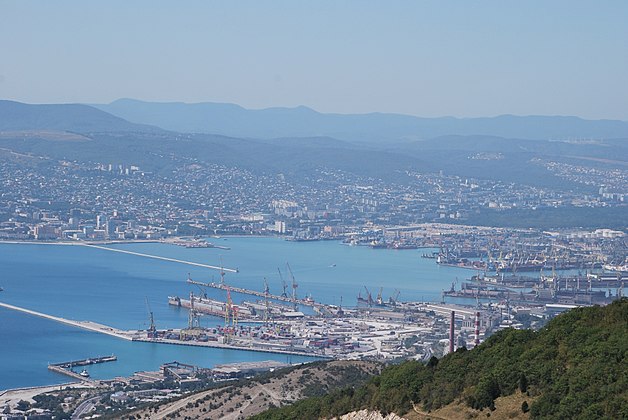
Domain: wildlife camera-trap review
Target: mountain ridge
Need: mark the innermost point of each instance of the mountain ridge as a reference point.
(237, 121)
(17, 116)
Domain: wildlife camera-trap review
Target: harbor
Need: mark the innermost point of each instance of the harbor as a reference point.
(170, 336)
(131, 302)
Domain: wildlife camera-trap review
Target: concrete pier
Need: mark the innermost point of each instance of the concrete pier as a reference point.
(222, 286)
(65, 368)
(156, 257)
(86, 325)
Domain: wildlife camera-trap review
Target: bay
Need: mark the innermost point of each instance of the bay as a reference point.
(113, 288)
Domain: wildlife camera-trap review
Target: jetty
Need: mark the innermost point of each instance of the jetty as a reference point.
(241, 290)
(65, 368)
(157, 257)
(86, 325)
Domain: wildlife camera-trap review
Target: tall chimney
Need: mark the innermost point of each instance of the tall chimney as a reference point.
(451, 331)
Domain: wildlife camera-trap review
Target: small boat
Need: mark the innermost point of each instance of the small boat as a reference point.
(84, 373)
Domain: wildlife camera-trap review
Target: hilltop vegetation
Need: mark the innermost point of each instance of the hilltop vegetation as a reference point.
(575, 367)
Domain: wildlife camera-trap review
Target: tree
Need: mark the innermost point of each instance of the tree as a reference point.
(523, 383)
(23, 405)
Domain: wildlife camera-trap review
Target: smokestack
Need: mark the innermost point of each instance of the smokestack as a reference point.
(477, 328)
(451, 331)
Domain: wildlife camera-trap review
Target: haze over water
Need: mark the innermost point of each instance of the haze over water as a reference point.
(111, 288)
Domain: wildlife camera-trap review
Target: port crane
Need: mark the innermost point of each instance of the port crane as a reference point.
(199, 285)
(294, 287)
(266, 303)
(194, 318)
(380, 300)
(222, 273)
(231, 317)
(152, 329)
(369, 297)
(283, 283)
(393, 300)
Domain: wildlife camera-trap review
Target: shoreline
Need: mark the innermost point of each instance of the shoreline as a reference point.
(167, 241)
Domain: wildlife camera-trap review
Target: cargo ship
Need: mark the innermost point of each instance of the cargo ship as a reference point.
(207, 306)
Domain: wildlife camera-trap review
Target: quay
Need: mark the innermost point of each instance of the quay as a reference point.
(156, 257)
(248, 347)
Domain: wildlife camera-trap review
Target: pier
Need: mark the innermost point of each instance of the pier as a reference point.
(86, 325)
(65, 368)
(157, 257)
(223, 286)
(86, 362)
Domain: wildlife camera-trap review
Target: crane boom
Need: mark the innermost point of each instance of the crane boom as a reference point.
(283, 284)
(294, 287)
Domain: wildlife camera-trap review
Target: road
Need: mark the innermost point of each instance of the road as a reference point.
(85, 407)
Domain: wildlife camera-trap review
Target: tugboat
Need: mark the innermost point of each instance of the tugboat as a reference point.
(84, 373)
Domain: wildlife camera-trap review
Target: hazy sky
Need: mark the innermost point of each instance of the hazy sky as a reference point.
(428, 58)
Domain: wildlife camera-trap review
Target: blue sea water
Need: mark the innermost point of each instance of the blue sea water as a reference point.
(112, 288)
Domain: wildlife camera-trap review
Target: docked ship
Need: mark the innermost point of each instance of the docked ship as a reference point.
(207, 306)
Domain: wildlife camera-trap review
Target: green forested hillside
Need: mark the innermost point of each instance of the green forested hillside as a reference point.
(575, 367)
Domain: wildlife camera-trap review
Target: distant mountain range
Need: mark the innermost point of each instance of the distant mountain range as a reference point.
(115, 139)
(233, 120)
(376, 129)
(17, 116)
